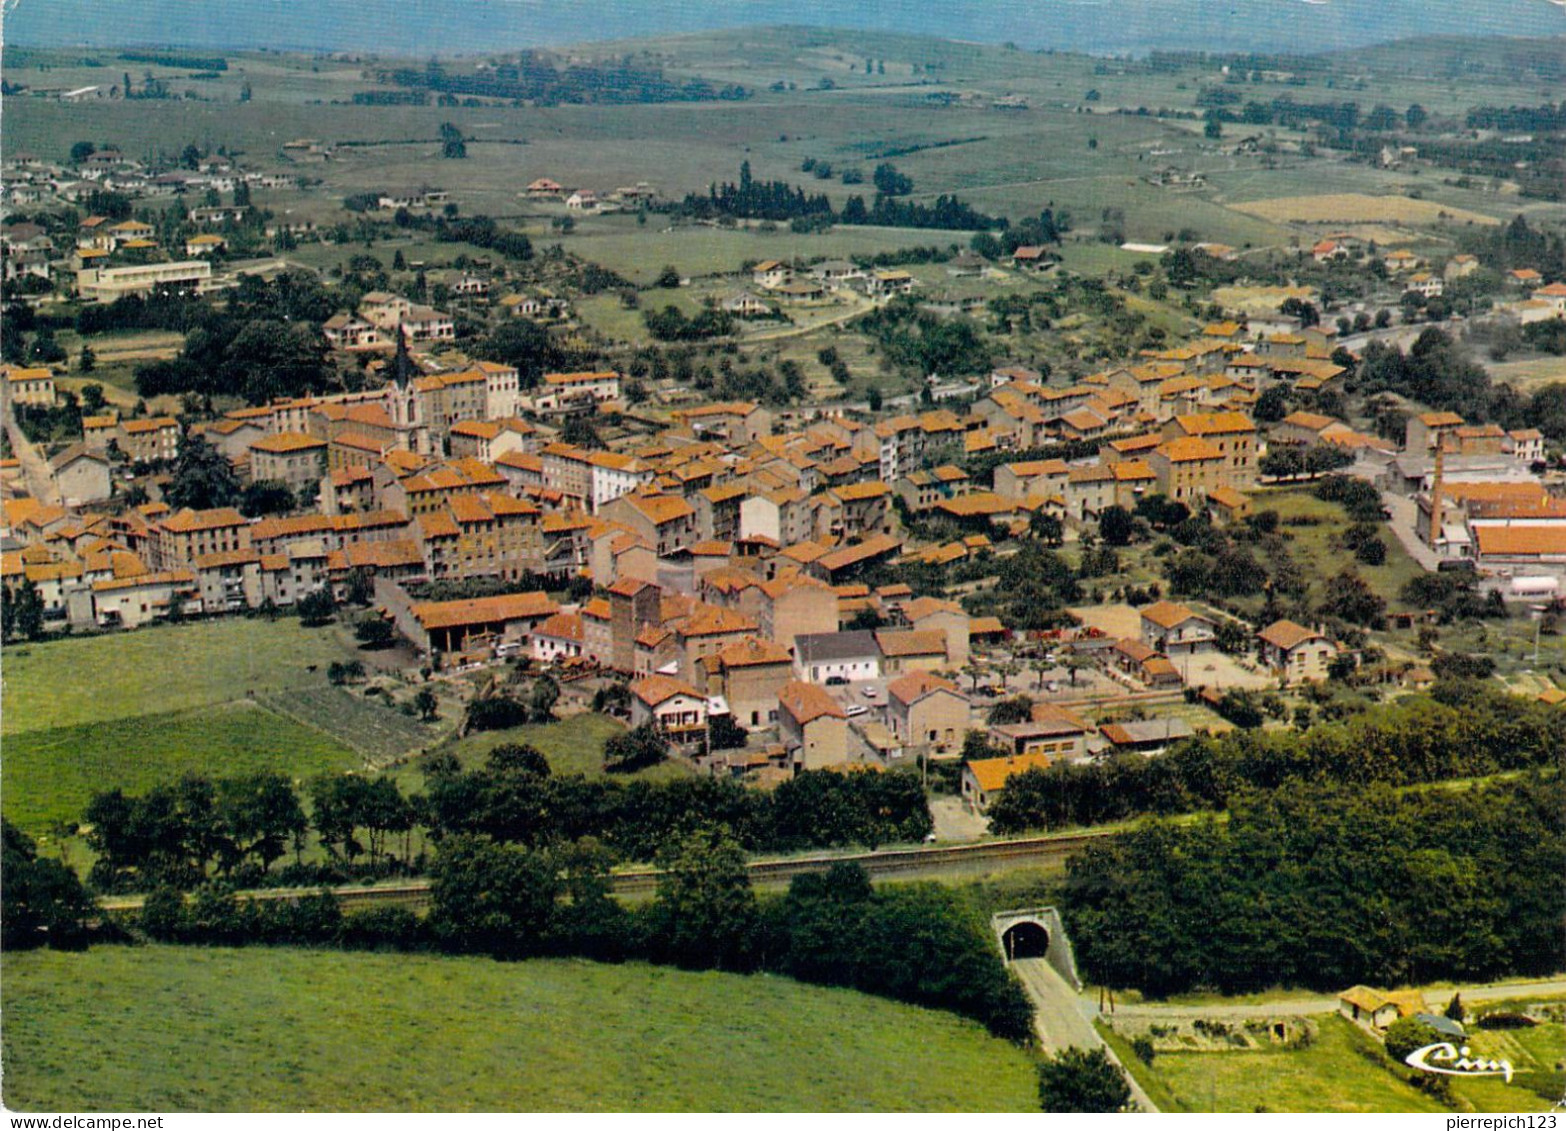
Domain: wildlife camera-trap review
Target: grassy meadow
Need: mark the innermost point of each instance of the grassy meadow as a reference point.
(95, 679)
(49, 775)
(285, 1030)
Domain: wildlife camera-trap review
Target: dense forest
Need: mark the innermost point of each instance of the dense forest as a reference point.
(1324, 886)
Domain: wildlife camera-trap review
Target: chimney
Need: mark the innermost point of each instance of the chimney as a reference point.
(1436, 485)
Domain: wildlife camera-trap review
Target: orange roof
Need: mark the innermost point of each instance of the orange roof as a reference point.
(911, 642)
(482, 610)
(805, 703)
(660, 509)
(654, 690)
(562, 626)
(284, 442)
(1522, 541)
(993, 773)
(1215, 423)
(916, 685)
(714, 620)
(1167, 614)
(189, 521)
(1287, 635)
(752, 651)
(1188, 449)
(155, 424)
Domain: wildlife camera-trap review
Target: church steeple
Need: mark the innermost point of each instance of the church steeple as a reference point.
(403, 369)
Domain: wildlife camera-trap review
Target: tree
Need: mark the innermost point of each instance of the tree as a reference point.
(704, 914)
(82, 150)
(1115, 526)
(1017, 709)
(316, 608)
(426, 704)
(452, 145)
(87, 363)
(1082, 1080)
(541, 701)
(23, 612)
(257, 815)
(635, 749)
(1350, 598)
(375, 632)
(1407, 1034)
(203, 477)
(266, 496)
(41, 901)
(668, 278)
(1047, 528)
(724, 733)
(1455, 1010)
(492, 898)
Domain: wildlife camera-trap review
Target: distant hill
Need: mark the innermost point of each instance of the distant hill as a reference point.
(422, 27)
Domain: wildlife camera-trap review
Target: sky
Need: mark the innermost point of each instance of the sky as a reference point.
(423, 27)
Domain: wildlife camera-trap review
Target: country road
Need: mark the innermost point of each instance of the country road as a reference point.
(40, 481)
(1063, 1018)
(1305, 1005)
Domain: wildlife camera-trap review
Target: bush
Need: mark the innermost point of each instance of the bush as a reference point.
(500, 712)
(1406, 1035)
(1505, 1021)
(1082, 1080)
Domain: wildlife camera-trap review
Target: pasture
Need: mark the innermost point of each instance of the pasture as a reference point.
(50, 775)
(365, 724)
(1529, 375)
(286, 1030)
(1313, 546)
(155, 670)
(1359, 208)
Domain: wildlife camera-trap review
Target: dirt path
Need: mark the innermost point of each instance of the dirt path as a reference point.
(1554, 987)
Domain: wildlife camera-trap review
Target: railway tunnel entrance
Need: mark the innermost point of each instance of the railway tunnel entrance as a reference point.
(1026, 939)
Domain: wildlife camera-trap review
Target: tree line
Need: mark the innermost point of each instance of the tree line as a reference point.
(750, 199)
(187, 833)
(1325, 886)
(919, 943)
(1462, 729)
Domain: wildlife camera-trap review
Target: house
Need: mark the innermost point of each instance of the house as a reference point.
(770, 273)
(1051, 731)
(750, 675)
(1377, 1009)
(1295, 654)
(911, 650)
(33, 386)
(82, 475)
(927, 712)
(204, 244)
(892, 282)
(813, 726)
(837, 657)
(1175, 630)
(451, 626)
(984, 778)
(583, 200)
(292, 458)
(676, 708)
(1145, 736)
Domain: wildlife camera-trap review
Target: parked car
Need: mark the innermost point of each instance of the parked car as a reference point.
(836, 681)
(870, 693)
(858, 709)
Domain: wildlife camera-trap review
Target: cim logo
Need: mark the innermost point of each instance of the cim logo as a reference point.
(1431, 1058)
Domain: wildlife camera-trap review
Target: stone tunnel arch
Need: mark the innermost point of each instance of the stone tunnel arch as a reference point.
(1025, 939)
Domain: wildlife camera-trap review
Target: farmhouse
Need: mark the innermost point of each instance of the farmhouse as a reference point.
(1296, 654)
(448, 626)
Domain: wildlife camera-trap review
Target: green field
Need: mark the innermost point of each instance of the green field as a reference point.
(1342, 1070)
(1311, 545)
(69, 682)
(1330, 1075)
(362, 723)
(168, 1029)
(49, 775)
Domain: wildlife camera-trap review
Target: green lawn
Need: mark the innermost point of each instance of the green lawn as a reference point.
(169, 1029)
(68, 682)
(49, 775)
(1330, 1075)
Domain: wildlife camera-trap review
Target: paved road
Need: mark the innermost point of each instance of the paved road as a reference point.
(1472, 995)
(1405, 514)
(35, 469)
(1063, 1018)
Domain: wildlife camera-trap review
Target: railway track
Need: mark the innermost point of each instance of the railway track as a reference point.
(884, 864)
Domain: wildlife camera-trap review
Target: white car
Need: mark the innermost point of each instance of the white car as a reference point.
(870, 693)
(858, 709)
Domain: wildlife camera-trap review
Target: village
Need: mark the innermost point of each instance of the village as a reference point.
(1112, 602)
